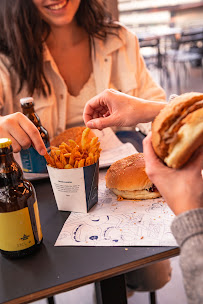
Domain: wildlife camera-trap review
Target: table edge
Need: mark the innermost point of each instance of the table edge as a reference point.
(94, 277)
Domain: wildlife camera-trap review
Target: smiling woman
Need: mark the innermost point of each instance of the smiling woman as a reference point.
(57, 12)
(45, 45)
(62, 53)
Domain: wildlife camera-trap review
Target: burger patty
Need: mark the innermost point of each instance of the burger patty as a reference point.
(169, 132)
(153, 188)
(168, 135)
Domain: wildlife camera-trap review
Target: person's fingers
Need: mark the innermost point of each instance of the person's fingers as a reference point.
(21, 137)
(102, 122)
(10, 128)
(100, 105)
(22, 132)
(151, 158)
(33, 136)
(15, 145)
(94, 105)
(196, 159)
(99, 113)
(154, 167)
(106, 114)
(89, 113)
(97, 123)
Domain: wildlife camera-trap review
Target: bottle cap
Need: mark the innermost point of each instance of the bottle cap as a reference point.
(5, 142)
(27, 101)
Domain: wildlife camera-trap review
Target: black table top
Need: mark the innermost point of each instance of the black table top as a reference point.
(55, 269)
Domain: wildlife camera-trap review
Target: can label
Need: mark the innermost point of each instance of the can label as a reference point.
(32, 161)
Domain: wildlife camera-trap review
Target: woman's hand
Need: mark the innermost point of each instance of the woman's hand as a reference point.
(113, 108)
(182, 188)
(22, 132)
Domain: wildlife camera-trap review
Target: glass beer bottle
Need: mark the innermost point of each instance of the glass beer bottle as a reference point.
(32, 161)
(20, 229)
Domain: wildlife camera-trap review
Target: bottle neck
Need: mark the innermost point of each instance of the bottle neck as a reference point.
(10, 171)
(30, 113)
(28, 110)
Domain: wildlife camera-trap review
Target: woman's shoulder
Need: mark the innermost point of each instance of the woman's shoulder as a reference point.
(118, 38)
(123, 33)
(124, 29)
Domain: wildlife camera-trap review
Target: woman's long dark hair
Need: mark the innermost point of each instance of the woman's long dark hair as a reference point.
(22, 32)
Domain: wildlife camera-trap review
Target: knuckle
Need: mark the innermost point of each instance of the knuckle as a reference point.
(35, 132)
(26, 143)
(100, 124)
(8, 121)
(118, 121)
(144, 140)
(107, 92)
(19, 115)
(16, 147)
(13, 119)
(149, 172)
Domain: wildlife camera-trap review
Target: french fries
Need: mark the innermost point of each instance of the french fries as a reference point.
(75, 155)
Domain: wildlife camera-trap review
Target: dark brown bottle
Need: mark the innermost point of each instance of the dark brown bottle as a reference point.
(20, 228)
(32, 161)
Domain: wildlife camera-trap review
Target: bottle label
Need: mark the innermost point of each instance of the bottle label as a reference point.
(32, 161)
(16, 230)
(36, 226)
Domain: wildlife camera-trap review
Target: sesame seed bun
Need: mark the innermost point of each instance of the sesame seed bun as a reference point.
(127, 178)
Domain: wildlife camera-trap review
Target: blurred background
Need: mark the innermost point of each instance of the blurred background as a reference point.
(171, 39)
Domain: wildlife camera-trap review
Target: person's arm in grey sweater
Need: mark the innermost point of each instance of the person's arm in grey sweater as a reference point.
(182, 189)
(187, 229)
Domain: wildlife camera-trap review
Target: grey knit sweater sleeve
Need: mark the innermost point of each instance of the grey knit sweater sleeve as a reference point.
(187, 229)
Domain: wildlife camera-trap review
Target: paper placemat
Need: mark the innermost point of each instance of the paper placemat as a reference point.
(119, 223)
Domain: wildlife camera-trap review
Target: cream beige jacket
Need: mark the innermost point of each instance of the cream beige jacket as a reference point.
(117, 64)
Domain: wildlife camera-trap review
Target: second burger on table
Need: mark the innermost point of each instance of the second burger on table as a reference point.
(127, 179)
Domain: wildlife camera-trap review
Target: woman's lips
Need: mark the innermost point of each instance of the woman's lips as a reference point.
(57, 6)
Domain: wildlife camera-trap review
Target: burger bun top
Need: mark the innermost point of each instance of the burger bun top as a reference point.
(128, 174)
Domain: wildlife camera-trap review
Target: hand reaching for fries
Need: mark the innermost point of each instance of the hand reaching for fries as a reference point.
(73, 155)
(22, 132)
(113, 108)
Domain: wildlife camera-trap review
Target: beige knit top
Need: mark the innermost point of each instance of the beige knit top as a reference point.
(76, 104)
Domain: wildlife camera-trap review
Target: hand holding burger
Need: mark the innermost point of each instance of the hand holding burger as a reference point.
(182, 189)
(177, 130)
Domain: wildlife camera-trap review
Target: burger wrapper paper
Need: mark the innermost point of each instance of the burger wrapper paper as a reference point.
(75, 189)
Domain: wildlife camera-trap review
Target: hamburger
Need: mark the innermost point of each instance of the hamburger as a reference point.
(74, 133)
(177, 131)
(127, 178)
